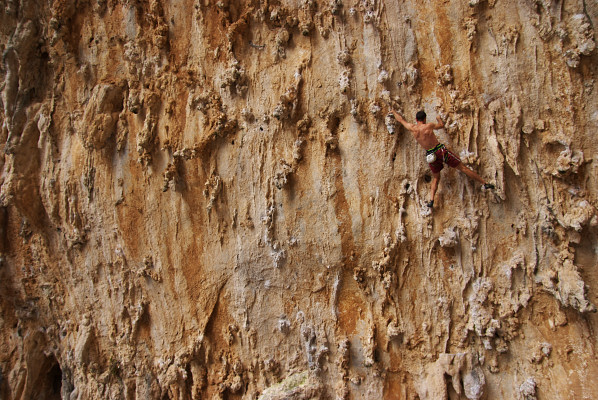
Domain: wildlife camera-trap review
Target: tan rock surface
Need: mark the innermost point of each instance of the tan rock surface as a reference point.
(206, 199)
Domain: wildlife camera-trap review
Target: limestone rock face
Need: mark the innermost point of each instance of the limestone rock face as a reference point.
(207, 200)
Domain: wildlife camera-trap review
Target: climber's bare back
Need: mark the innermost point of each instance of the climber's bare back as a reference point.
(422, 132)
(424, 135)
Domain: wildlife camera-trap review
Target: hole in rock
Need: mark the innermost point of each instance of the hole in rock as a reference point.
(427, 178)
(55, 378)
(49, 381)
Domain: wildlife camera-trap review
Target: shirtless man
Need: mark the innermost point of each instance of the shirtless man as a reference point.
(436, 153)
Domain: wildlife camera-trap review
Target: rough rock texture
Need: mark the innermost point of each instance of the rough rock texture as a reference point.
(206, 199)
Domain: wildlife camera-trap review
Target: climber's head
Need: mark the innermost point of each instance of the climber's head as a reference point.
(420, 116)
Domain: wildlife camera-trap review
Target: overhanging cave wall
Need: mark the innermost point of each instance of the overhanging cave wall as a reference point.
(202, 199)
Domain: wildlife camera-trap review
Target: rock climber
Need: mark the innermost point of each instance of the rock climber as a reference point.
(436, 153)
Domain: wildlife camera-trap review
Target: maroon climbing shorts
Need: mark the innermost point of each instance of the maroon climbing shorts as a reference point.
(443, 156)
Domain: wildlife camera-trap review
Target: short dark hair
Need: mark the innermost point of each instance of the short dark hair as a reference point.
(420, 116)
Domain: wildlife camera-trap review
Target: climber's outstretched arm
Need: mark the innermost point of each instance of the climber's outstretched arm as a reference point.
(399, 118)
(439, 124)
